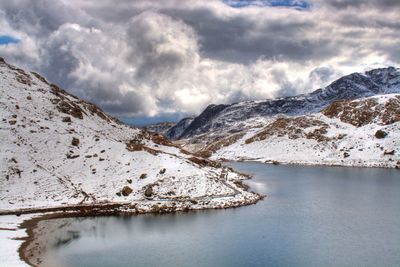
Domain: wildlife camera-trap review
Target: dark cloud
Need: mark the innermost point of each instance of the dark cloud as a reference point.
(381, 4)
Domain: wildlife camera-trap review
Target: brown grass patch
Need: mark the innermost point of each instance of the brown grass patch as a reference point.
(363, 112)
(215, 146)
(204, 162)
(293, 128)
(134, 145)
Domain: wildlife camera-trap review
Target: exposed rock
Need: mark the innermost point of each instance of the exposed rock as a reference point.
(391, 152)
(41, 78)
(143, 176)
(241, 185)
(149, 191)
(162, 171)
(70, 108)
(71, 156)
(204, 162)
(126, 191)
(380, 134)
(134, 145)
(155, 208)
(75, 141)
(66, 119)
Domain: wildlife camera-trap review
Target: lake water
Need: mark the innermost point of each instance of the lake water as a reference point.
(312, 216)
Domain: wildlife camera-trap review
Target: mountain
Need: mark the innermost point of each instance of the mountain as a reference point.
(160, 128)
(61, 153)
(179, 128)
(363, 132)
(232, 118)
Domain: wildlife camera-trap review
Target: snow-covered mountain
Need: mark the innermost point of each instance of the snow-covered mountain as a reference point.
(59, 153)
(231, 118)
(362, 132)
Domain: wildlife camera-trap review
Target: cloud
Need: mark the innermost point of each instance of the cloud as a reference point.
(380, 4)
(146, 58)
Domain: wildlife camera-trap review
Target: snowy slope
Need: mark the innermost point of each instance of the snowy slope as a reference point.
(363, 132)
(59, 151)
(218, 118)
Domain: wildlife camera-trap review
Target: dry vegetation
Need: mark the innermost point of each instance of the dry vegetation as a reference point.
(293, 128)
(213, 147)
(363, 112)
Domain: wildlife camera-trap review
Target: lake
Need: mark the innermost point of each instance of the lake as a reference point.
(312, 216)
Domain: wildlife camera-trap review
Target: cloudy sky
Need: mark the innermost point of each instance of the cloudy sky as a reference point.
(171, 58)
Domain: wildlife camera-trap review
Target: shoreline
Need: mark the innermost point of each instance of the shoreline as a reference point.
(30, 224)
(312, 164)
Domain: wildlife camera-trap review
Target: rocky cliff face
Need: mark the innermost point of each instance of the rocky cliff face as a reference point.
(58, 151)
(217, 118)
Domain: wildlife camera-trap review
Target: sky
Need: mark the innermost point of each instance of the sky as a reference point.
(171, 58)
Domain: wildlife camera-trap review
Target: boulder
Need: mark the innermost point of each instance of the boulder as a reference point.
(126, 191)
(148, 192)
(380, 134)
(75, 141)
(66, 119)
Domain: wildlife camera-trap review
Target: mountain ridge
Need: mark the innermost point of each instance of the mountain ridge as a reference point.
(362, 132)
(352, 86)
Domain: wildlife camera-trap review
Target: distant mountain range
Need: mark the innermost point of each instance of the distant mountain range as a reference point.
(353, 86)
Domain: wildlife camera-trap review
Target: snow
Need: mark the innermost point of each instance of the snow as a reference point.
(9, 231)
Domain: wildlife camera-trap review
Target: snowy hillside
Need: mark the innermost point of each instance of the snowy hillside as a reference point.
(58, 151)
(227, 118)
(363, 132)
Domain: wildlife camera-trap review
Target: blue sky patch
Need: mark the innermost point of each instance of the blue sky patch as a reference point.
(298, 4)
(7, 39)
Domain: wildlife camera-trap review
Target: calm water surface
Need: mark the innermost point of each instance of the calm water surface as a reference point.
(312, 216)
